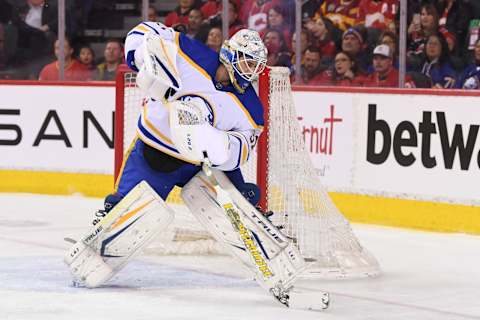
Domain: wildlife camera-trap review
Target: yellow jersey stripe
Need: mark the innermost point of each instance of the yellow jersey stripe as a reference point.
(165, 150)
(169, 61)
(141, 28)
(153, 128)
(239, 103)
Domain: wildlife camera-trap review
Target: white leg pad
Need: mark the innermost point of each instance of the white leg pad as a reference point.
(276, 259)
(119, 236)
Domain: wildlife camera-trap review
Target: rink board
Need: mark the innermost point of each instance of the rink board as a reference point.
(59, 140)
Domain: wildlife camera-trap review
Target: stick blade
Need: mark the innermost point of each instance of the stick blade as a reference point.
(308, 300)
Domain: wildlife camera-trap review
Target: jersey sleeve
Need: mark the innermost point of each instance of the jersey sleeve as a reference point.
(134, 41)
(242, 144)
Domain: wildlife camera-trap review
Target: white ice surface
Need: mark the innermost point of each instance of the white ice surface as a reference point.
(426, 276)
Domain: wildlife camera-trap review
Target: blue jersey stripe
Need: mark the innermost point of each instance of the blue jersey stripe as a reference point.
(135, 32)
(172, 78)
(150, 27)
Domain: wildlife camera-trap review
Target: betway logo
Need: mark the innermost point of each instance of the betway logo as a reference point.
(405, 135)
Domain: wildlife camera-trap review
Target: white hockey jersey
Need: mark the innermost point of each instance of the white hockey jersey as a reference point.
(241, 115)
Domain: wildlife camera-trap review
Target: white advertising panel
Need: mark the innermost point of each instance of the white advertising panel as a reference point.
(415, 146)
(326, 121)
(57, 128)
(420, 145)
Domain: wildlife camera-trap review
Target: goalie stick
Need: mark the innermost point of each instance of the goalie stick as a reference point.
(284, 292)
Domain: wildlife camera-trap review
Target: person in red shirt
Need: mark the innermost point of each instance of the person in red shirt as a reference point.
(321, 37)
(74, 70)
(378, 14)
(180, 14)
(384, 75)
(311, 68)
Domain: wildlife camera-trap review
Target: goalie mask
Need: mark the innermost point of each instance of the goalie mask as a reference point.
(245, 57)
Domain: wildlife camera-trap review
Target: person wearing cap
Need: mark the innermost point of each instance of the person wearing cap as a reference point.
(384, 75)
(353, 43)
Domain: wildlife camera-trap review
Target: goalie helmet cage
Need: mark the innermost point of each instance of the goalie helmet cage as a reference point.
(301, 204)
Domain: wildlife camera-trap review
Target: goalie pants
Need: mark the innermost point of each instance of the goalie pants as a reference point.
(161, 171)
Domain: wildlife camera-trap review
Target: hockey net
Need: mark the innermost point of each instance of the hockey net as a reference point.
(284, 172)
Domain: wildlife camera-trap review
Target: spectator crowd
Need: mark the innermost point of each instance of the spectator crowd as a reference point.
(343, 42)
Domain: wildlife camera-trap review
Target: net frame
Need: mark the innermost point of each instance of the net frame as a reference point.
(324, 236)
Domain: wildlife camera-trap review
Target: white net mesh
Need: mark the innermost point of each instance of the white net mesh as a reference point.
(295, 194)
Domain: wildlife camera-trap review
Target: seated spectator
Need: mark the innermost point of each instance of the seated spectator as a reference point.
(180, 14)
(277, 19)
(421, 27)
(113, 57)
(152, 15)
(278, 53)
(214, 39)
(311, 67)
(304, 44)
(74, 70)
(436, 63)
(353, 43)
(343, 13)
(253, 13)
(321, 37)
(195, 20)
(344, 73)
(388, 38)
(384, 73)
(86, 56)
(378, 14)
(470, 77)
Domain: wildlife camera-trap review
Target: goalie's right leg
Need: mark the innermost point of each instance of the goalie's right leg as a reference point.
(118, 237)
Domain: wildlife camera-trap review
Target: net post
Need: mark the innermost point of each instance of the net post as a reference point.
(119, 118)
(262, 148)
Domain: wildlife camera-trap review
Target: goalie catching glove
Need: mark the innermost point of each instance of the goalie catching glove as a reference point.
(157, 62)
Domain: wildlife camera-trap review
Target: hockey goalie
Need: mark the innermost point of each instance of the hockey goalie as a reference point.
(200, 121)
